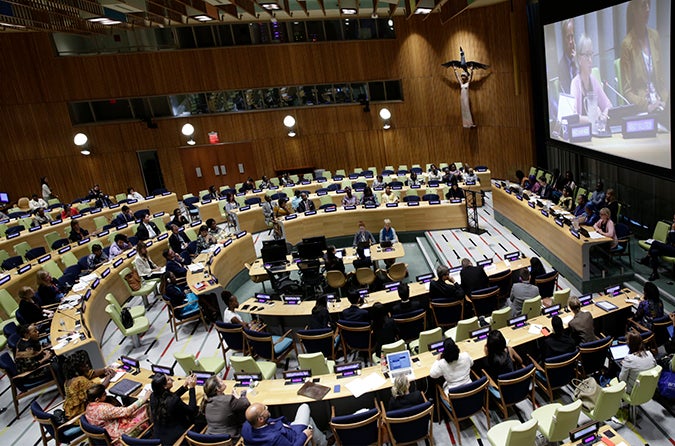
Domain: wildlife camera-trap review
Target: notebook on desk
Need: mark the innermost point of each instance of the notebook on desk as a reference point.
(313, 390)
(125, 387)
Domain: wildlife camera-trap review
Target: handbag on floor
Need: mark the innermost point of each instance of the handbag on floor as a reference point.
(587, 391)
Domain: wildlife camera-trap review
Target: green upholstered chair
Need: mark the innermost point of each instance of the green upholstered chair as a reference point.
(141, 325)
(316, 362)
(187, 361)
(513, 433)
(246, 364)
(555, 421)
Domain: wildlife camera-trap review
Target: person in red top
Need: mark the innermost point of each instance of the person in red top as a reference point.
(68, 211)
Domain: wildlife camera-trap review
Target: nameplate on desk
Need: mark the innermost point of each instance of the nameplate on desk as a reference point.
(216, 252)
(587, 434)
(222, 198)
(256, 191)
(379, 188)
(149, 197)
(370, 206)
(44, 258)
(4, 279)
(164, 194)
(415, 186)
(122, 226)
(574, 233)
(338, 177)
(131, 253)
(95, 283)
(544, 213)
(436, 347)
(83, 241)
(95, 211)
(161, 237)
(519, 197)
(485, 262)
(639, 127)
(132, 201)
(397, 187)
(64, 249)
(322, 193)
(586, 299)
(105, 273)
(425, 278)
(349, 208)
(262, 298)
(117, 263)
(75, 217)
(508, 191)
(613, 290)
(292, 300)
(469, 183)
(340, 191)
(531, 204)
(11, 236)
(55, 222)
(297, 376)
(368, 174)
(498, 186)
(392, 205)
(245, 379)
(320, 180)
(102, 233)
(114, 206)
(559, 222)
(580, 132)
(481, 169)
(363, 293)
(305, 182)
(4, 220)
(551, 311)
(349, 369)
(291, 217)
(511, 256)
(227, 242)
(456, 200)
(240, 194)
(195, 223)
(240, 234)
(518, 321)
(432, 202)
(87, 295)
(330, 209)
(392, 286)
(480, 334)
(207, 201)
(24, 268)
(353, 176)
(291, 184)
(244, 208)
(148, 243)
(310, 213)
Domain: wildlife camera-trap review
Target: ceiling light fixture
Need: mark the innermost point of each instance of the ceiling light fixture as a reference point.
(385, 115)
(289, 123)
(82, 142)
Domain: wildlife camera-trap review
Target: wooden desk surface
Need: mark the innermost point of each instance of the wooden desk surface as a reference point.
(568, 249)
(603, 431)
(162, 203)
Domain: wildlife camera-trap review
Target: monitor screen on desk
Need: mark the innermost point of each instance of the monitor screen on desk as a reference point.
(273, 254)
(311, 250)
(4, 198)
(320, 240)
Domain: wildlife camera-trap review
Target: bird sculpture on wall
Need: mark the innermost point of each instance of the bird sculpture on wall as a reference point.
(464, 73)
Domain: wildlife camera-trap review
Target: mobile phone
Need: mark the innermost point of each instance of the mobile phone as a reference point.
(415, 359)
(316, 380)
(336, 388)
(545, 331)
(245, 307)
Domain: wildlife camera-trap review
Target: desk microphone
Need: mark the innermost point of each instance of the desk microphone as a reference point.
(175, 378)
(615, 91)
(69, 316)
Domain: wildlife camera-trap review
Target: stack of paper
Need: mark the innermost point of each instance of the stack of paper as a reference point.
(359, 386)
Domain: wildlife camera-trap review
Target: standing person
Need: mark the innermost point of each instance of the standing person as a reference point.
(581, 324)
(472, 277)
(650, 306)
(612, 203)
(170, 415)
(230, 207)
(536, 269)
(268, 210)
(363, 235)
(658, 249)
(642, 70)
(605, 226)
(130, 420)
(47, 193)
(224, 413)
(520, 292)
(454, 366)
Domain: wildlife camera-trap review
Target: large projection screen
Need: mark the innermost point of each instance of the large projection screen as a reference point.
(608, 81)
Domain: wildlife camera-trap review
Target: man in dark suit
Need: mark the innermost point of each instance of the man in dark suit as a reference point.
(406, 305)
(354, 313)
(178, 240)
(126, 216)
(472, 277)
(567, 68)
(305, 204)
(147, 229)
(581, 324)
(445, 287)
(174, 263)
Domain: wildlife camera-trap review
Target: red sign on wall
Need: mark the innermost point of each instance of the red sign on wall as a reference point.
(213, 138)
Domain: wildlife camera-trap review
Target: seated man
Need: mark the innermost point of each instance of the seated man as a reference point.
(96, 258)
(261, 430)
(440, 289)
(147, 229)
(120, 244)
(174, 263)
(354, 312)
(361, 260)
(214, 230)
(178, 240)
(406, 305)
(305, 204)
(472, 277)
(40, 218)
(589, 217)
(520, 292)
(126, 216)
(658, 249)
(581, 324)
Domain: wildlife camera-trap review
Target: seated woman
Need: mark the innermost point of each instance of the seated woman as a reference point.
(591, 103)
(650, 306)
(170, 415)
(77, 233)
(133, 195)
(401, 396)
(379, 182)
(30, 354)
(500, 358)
(470, 176)
(349, 199)
(320, 315)
(214, 230)
(363, 235)
(96, 258)
(48, 291)
(77, 386)
(565, 200)
(177, 295)
(434, 174)
(638, 360)
(179, 219)
(455, 192)
(582, 201)
(224, 413)
(205, 239)
(368, 198)
(559, 342)
(605, 226)
(414, 180)
(453, 365)
(282, 208)
(230, 316)
(387, 233)
(388, 196)
(31, 310)
(130, 420)
(145, 267)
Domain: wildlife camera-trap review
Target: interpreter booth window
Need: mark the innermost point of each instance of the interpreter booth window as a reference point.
(279, 32)
(298, 32)
(315, 31)
(351, 29)
(112, 110)
(204, 36)
(333, 29)
(80, 113)
(260, 33)
(160, 106)
(242, 34)
(224, 35)
(185, 37)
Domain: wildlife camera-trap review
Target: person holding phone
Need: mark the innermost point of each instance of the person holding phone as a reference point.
(170, 415)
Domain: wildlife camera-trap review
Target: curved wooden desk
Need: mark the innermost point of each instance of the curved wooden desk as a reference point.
(163, 203)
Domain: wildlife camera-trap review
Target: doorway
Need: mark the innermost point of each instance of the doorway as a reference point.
(151, 171)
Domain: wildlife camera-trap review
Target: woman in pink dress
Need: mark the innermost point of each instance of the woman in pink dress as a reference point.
(130, 420)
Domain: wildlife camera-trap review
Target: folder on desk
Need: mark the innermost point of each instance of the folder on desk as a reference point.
(313, 390)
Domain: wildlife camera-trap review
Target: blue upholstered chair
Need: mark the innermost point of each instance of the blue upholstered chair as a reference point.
(357, 429)
(97, 436)
(556, 372)
(132, 441)
(269, 347)
(512, 388)
(410, 325)
(409, 425)
(22, 384)
(318, 340)
(66, 433)
(484, 301)
(356, 336)
(196, 439)
(231, 337)
(464, 401)
(447, 313)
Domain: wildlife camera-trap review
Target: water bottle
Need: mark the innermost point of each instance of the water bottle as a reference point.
(62, 323)
(383, 364)
(564, 129)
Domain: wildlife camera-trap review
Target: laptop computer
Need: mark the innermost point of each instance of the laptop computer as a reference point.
(619, 352)
(400, 364)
